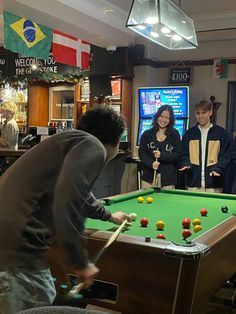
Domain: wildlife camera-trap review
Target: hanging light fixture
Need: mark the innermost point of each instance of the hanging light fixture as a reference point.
(164, 23)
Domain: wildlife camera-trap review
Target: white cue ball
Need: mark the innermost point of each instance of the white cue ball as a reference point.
(133, 216)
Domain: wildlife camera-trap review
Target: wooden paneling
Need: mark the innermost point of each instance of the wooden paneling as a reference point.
(38, 114)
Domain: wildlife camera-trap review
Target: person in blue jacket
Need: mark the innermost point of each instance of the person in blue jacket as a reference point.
(160, 148)
(205, 152)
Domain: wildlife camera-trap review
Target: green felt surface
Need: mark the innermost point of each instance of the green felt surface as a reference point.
(171, 206)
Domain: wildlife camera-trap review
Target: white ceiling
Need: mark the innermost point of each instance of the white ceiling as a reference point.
(102, 22)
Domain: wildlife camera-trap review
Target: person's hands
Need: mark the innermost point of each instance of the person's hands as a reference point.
(155, 165)
(184, 168)
(214, 174)
(86, 276)
(119, 217)
(157, 153)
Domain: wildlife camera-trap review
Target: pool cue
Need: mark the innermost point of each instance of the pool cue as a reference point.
(109, 242)
(154, 177)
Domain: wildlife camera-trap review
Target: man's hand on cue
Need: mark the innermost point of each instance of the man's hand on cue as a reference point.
(86, 276)
(118, 217)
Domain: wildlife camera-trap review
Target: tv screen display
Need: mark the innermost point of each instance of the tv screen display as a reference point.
(146, 124)
(180, 125)
(151, 98)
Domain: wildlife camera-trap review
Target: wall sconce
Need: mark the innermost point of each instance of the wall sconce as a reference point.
(164, 23)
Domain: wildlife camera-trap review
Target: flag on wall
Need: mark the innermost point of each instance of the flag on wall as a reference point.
(70, 50)
(26, 37)
(220, 68)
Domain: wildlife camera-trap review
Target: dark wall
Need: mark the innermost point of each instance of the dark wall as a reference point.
(100, 85)
(118, 62)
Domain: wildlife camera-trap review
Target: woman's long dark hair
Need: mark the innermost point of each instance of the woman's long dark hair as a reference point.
(170, 126)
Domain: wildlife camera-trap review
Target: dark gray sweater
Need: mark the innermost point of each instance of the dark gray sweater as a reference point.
(48, 189)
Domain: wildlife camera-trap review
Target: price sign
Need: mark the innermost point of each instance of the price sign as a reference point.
(180, 75)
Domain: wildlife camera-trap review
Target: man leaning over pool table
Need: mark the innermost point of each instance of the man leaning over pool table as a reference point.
(46, 194)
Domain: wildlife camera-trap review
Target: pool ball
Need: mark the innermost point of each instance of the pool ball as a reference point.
(186, 222)
(196, 221)
(224, 209)
(161, 236)
(147, 239)
(144, 222)
(140, 199)
(160, 225)
(186, 233)
(149, 200)
(197, 228)
(133, 216)
(203, 211)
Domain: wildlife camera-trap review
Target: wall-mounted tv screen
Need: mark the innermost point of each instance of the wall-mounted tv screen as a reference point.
(151, 98)
(146, 124)
(180, 125)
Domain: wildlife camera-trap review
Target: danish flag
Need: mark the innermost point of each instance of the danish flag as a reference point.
(70, 50)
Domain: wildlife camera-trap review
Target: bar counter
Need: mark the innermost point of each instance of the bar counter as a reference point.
(12, 152)
(8, 157)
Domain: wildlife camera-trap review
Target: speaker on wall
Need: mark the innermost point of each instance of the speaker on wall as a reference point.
(138, 54)
(100, 85)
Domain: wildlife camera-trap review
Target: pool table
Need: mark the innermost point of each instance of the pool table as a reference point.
(172, 276)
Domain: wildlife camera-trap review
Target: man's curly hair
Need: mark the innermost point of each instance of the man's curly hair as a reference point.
(104, 123)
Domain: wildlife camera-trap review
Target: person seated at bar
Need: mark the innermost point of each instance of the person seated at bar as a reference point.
(46, 196)
(205, 152)
(10, 130)
(159, 150)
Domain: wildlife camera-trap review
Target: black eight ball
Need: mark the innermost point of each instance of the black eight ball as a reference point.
(224, 209)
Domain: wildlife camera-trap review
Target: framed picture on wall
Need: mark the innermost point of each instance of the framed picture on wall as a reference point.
(116, 88)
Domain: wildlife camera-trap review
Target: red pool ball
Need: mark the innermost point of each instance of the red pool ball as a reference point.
(161, 236)
(186, 222)
(144, 222)
(186, 233)
(203, 211)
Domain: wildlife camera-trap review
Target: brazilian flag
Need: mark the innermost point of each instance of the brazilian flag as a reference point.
(26, 37)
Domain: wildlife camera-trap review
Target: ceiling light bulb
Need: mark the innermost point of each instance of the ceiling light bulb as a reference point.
(154, 34)
(141, 27)
(176, 37)
(151, 20)
(165, 30)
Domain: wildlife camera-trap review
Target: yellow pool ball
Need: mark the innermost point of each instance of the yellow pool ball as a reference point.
(140, 199)
(149, 200)
(197, 228)
(196, 221)
(160, 224)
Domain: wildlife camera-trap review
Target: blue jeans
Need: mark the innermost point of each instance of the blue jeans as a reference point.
(21, 289)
